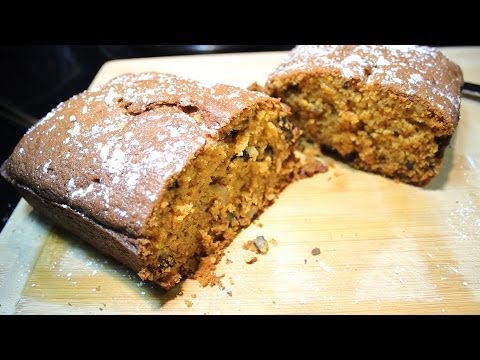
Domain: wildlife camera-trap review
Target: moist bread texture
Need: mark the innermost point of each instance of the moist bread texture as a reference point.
(390, 110)
(157, 171)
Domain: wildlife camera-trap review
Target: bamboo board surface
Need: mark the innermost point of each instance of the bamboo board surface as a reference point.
(385, 247)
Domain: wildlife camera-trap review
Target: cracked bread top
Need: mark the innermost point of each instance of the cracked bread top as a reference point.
(418, 72)
(109, 152)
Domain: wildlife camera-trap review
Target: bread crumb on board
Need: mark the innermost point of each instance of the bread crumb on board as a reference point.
(258, 246)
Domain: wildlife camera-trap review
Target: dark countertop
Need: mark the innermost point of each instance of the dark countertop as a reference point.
(36, 78)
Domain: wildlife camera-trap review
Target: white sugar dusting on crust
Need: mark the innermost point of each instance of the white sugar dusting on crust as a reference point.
(414, 70)
(71, 185)
(117, 146)
(46, 166)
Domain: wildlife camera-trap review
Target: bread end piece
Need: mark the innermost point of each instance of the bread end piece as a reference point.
(390, 110)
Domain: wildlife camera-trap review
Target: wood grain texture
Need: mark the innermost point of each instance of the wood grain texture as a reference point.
(385, 247)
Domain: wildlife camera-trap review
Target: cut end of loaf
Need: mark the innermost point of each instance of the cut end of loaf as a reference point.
(222, 190)
(371, 128)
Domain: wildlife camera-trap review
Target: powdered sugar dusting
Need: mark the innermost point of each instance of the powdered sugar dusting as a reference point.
(132, 180)
(116, 161)
(82, 192)
(71, 184)
(75, 130)
(46, 166)
(414, 70)
(111, 95)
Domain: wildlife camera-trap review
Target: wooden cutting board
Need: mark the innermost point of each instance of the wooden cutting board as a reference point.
(385, 247)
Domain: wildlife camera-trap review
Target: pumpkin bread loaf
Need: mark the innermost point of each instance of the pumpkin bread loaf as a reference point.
(157, 171)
